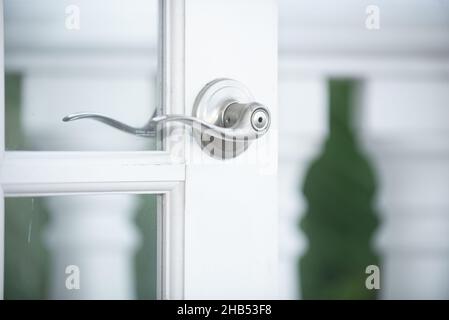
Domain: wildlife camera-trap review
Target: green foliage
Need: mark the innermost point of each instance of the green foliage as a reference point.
(14, 138)
(340, 219)
(26, 259)
(146, 257)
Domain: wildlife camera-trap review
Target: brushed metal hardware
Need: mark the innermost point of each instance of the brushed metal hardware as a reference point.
(224, 109)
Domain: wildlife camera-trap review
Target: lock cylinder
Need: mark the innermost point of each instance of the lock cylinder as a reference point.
(240, 115)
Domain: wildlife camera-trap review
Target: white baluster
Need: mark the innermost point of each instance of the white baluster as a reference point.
(303, 125)
(95, 234)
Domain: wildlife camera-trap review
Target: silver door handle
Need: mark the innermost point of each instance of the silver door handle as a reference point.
(224, 109)
(239, 121)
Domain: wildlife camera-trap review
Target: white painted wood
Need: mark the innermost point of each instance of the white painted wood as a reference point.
(171, 249)
(171, 72)
(25, 173)
(231, 217)
(172, 206)
(2, 153)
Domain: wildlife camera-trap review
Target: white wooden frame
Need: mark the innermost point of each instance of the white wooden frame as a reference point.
(56, 173)
(2, 153)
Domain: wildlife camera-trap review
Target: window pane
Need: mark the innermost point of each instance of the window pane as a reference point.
(81, 247)
(64, 57)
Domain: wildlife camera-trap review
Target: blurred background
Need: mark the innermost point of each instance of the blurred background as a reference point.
(364, 94)
(363, 159)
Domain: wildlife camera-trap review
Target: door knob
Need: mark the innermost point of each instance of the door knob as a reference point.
(224, 111)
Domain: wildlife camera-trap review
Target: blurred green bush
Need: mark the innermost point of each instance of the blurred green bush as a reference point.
(340, 220)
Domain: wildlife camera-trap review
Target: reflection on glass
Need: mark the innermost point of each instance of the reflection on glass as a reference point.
(63, 57)
(81, 247)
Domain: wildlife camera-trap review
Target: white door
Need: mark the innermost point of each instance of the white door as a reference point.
(216, 184)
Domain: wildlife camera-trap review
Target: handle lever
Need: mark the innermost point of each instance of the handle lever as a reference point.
(240, 122)
(227, 118)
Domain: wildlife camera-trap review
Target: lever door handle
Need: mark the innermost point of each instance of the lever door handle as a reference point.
(240, 122)
(224, 109)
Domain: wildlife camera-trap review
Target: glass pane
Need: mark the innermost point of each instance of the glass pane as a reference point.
(81, 247)
(64, 57)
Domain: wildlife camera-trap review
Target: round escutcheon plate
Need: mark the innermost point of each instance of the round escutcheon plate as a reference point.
(209, 106)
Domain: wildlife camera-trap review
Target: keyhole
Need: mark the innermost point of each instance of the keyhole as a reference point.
(260, 120)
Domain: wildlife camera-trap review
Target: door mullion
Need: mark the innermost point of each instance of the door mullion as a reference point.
(31, 173)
